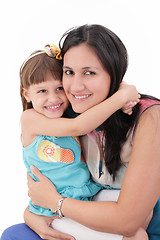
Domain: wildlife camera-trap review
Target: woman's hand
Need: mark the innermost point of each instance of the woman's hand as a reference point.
(42, 193)
(41, 225)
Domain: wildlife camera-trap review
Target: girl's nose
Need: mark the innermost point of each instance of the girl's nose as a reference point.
(52, 97)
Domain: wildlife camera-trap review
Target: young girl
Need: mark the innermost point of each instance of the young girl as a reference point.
(47, 138)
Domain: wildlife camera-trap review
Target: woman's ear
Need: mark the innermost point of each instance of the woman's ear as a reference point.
(25, 93)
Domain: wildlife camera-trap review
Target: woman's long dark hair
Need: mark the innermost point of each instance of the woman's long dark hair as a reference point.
(113, 55)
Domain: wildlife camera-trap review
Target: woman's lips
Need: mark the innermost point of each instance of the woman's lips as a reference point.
(81, 97)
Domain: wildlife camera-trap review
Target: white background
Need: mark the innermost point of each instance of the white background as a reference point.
(26, 26)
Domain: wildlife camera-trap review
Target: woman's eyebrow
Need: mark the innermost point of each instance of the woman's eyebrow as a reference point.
(67, 67)
(87, 67)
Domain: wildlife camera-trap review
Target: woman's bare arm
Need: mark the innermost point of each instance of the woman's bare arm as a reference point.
(140, 190)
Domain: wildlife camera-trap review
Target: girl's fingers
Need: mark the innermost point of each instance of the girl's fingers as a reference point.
(56, 235)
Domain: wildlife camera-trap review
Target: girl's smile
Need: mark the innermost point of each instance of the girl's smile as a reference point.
(53, 108)
(48, 98)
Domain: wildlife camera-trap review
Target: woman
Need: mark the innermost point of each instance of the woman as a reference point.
(129, 145)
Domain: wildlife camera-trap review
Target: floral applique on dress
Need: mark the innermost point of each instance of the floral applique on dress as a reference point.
(50, 152)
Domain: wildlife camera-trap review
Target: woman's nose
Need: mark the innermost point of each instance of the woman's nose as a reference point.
(77, 84)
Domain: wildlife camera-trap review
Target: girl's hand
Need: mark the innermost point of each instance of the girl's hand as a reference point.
(42, 193)
(41, 225)
(128, 108)
(131, 95)
(129, 92)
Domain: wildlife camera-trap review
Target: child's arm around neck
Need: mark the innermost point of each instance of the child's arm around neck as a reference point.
(34, 123)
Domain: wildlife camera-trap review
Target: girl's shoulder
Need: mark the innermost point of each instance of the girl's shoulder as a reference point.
(26, 127)
(28, 118)
(27, 114)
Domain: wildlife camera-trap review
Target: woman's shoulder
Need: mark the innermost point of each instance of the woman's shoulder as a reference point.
(148, 103)
(151, 114)
(149, 109)
(148, 123)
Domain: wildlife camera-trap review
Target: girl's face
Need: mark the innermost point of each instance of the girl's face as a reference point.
(48, 98)
(85, 81)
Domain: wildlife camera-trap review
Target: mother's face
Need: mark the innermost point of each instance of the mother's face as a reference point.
(85, 80)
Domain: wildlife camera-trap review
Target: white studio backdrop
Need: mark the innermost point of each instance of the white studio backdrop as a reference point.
(27, 26)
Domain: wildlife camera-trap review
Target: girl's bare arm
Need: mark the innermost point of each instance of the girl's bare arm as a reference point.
(37, 124)
(41, 225)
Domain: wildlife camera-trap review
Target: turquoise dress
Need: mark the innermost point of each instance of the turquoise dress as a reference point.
(153, 229)
(60, 160)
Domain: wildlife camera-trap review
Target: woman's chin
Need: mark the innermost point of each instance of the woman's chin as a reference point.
(79, 109)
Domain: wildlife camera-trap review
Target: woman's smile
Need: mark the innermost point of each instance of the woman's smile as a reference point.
(85, 80)
(81, 97)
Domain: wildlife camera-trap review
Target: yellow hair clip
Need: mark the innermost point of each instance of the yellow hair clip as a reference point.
(53, 51)
(50, 50)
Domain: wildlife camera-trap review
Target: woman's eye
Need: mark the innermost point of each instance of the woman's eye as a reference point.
(59, 88)
(89, 73)
(42, 91)
(68, 72)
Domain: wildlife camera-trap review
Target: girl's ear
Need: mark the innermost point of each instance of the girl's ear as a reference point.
(25, 93)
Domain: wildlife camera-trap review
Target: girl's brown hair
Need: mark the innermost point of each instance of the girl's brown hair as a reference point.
(34, 71)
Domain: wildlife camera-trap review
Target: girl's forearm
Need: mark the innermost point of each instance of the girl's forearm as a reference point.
(86, 122)
(96, 115)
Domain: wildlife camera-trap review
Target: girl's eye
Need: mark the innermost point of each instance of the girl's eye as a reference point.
(42, 91)
(68, 72)
(90, 73)
(59, 88)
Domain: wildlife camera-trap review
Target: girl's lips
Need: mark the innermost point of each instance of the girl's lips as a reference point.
(53, 107)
